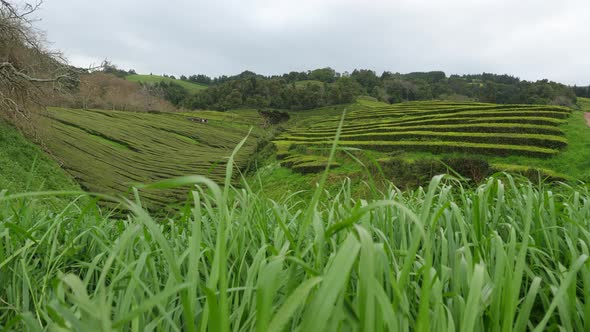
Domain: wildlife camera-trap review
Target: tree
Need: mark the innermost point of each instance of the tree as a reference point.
(366, 78)
(27, 69)
(327, 75)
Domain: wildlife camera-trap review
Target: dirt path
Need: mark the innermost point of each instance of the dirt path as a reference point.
(587, 117)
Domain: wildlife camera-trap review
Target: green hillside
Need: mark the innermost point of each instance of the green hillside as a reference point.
(107, 151)
(550, 137)
(25, 167)
(191, 87)
(584, 103)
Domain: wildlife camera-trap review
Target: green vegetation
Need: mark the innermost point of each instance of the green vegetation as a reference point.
(573, 162)
(582, 91)
(205, 247)
(324, 86)
(152, 79)
(503, 256)
(584, 103)
(304, 83)
(107, 151)
(443, 128)
(24, 167)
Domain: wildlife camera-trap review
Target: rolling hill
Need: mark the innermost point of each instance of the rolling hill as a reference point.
(190, 86)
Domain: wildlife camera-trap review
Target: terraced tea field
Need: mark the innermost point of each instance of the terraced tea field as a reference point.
(437, 127)
(106, 151)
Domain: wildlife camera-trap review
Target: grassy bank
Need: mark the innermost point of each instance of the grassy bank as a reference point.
(25, 167)
(506, 255)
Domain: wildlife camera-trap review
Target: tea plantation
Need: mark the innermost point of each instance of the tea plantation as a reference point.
(107, 151)
(434, 126)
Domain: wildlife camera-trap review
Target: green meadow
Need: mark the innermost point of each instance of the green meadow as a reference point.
(189, 86)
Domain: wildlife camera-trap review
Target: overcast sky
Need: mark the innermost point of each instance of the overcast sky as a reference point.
(526, 38)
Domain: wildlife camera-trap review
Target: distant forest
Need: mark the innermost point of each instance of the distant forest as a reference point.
(325, 86)
(582, 91)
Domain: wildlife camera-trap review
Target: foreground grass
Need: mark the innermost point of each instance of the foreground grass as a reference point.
(506, 255)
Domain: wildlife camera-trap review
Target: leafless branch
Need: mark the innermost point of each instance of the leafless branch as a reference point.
(28, 70)
(26, 77)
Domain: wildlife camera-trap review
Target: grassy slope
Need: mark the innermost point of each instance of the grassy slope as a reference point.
(107, 151)
(25, 167)
(191, 87)
(584, 104)
(574, 161)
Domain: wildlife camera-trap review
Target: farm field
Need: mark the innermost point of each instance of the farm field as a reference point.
(190, 86)
(439, 128)
(107, 151)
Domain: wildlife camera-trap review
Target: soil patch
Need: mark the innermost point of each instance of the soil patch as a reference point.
(587, 117)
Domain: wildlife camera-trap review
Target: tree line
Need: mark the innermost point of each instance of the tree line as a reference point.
(325, 86)
(582, 91)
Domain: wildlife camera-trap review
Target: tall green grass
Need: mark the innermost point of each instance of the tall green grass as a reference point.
(504, 256)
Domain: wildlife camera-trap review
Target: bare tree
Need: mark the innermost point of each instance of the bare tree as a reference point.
(28, 70)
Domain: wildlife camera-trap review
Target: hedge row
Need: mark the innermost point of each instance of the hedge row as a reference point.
(472, 114)
(442, 147)
(434, 106)
(481, 128)
(548, 141)
(307, 163)
(465, 117)
(476, 110)
(502, 119)
(508, 122)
